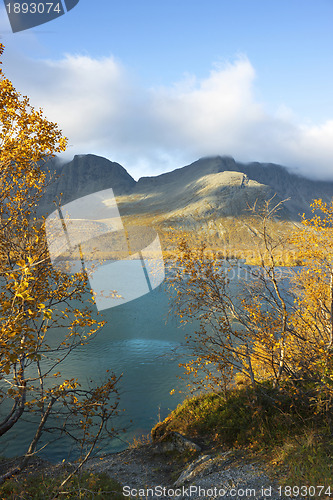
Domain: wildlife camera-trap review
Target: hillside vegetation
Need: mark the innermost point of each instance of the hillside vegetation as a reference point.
(262, 352)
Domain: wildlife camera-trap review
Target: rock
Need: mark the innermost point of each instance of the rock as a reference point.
(228, 471)
(203, 466)
(194, 469)
(173, 441)
(84, 175)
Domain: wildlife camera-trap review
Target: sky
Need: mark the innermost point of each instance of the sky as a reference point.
(156, 84)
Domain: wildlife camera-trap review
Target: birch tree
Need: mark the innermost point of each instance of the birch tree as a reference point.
(36, 299)
(272, 326)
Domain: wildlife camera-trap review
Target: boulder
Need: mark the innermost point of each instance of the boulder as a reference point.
(203, 463)
(173, 441)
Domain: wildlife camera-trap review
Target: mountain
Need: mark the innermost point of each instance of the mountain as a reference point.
(217, 186)
(221, 186)
(84, 175)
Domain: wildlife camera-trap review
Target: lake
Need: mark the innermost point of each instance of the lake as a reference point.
(138, 341)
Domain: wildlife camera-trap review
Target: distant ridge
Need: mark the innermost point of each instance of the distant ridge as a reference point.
(216, 185)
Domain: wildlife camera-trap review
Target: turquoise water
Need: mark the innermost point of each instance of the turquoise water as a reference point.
(138, 341)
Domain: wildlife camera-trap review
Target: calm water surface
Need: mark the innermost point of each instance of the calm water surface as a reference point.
(137, 341)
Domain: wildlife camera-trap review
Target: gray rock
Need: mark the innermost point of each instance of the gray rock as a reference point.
(84, 175)
(202, 464)
(173, 441)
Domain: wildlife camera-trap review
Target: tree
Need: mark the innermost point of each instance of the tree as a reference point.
(232, 322)
(36, 297)
(270, 326)
(313, 311)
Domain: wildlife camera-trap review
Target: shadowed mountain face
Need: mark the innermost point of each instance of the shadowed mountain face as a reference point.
(84, 175)
(210, 186)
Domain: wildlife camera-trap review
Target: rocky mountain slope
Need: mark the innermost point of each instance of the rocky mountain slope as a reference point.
(217, 186)
(84, 175)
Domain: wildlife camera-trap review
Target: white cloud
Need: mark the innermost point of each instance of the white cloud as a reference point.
(103, 110)
(211, 112)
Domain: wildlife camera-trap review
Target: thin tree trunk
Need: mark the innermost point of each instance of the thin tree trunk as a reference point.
(17, 410)
(32, 446)
(330, 344)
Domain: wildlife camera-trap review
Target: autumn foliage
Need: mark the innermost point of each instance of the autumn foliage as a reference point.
(36, 299)
(264, 325)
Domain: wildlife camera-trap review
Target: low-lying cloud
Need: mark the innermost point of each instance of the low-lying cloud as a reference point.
(103, 110)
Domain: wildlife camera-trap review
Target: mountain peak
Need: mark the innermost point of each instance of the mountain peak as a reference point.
(216, 184)
(84, 175)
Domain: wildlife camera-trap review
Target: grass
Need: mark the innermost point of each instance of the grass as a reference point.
(140, 441)
(43, 487)
(232, 422)
(291, 440)
(307, 459)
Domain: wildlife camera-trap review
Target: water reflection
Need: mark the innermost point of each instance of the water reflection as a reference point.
(136, 341)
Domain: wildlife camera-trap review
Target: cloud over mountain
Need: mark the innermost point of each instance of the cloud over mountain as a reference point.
(103, 108)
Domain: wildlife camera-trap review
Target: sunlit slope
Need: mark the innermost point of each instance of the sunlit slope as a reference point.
(209, 199)
(220, 194)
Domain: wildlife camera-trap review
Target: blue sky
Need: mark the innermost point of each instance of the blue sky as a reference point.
(156, 84)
